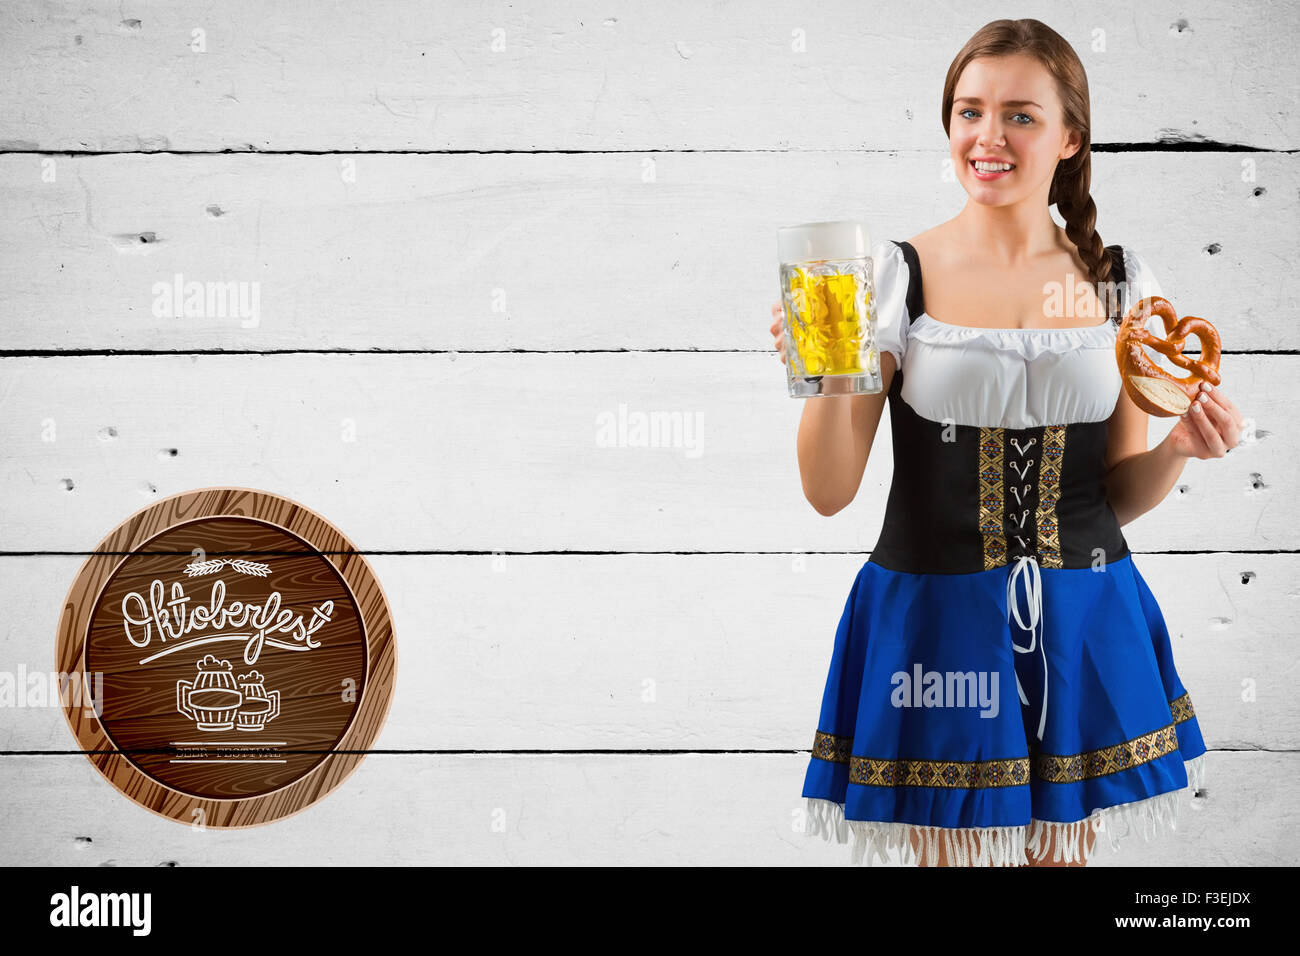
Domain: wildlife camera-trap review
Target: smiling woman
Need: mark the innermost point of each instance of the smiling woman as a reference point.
(1018, 118)
(1001, 558)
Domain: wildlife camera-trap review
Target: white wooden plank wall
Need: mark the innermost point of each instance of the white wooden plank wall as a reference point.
(476, 228)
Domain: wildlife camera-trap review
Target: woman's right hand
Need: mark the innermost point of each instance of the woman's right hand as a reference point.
(778, 329)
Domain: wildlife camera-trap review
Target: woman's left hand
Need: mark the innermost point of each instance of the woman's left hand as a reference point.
(1210, 428)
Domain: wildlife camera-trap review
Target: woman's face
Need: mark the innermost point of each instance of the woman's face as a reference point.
(1006, 109)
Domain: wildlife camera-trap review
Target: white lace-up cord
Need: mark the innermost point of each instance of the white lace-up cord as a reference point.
(1027, 567)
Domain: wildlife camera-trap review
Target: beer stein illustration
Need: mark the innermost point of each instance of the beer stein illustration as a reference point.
(212, 699)
(259, 707)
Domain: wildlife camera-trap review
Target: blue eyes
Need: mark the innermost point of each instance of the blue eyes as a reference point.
(1028, 118)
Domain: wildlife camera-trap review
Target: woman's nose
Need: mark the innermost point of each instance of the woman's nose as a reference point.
(990, 132)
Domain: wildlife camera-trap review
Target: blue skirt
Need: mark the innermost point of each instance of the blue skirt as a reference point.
(1000, 713)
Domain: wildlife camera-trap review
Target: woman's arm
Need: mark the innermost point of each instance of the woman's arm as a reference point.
(1139, 479)
(835, 438)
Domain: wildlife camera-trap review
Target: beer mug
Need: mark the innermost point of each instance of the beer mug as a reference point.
(829, 313)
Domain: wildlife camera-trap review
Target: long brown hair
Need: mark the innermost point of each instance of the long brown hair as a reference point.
(1072, 181)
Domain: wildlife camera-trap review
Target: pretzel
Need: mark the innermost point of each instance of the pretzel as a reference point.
(1153, 389)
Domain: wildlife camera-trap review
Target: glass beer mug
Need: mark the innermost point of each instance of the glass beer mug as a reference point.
(829, 314)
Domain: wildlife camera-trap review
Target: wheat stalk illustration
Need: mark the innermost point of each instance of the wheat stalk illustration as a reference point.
(196, 568)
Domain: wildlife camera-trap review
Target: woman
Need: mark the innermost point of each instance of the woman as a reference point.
(1017, 458)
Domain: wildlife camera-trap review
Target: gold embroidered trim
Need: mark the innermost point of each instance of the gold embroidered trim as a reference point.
(964, 774)
(1049, 493)
(832, 748)
(1012, 772)
(992, 498)
(1107, 760)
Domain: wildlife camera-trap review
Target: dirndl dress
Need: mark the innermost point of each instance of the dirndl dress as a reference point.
(1002, 679)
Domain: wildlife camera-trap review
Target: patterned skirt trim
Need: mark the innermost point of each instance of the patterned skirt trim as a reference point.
(1011, 772)
(1001, 846)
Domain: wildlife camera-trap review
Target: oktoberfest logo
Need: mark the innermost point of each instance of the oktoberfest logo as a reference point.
(241, 652)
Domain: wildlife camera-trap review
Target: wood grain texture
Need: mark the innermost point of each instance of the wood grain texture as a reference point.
(135, 735)
(557, 252)
(511, 452)
(598, 187)
(580, 75)
(594, 809)
(659, 652)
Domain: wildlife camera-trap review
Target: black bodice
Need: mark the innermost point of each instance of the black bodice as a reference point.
(967, 498)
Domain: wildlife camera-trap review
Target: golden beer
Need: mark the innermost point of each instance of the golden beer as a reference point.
(829, 322)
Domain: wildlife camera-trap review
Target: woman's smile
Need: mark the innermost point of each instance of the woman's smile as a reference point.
(990, 173)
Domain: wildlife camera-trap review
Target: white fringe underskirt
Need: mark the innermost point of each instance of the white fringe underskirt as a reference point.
(1002, 846)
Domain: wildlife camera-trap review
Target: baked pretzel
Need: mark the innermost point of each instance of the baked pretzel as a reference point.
(1153, 389)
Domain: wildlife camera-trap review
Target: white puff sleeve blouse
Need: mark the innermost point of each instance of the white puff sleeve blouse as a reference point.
(1001, 377)
(890, 278)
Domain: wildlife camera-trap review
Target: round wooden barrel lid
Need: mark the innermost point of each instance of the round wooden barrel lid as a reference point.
(229, 657)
